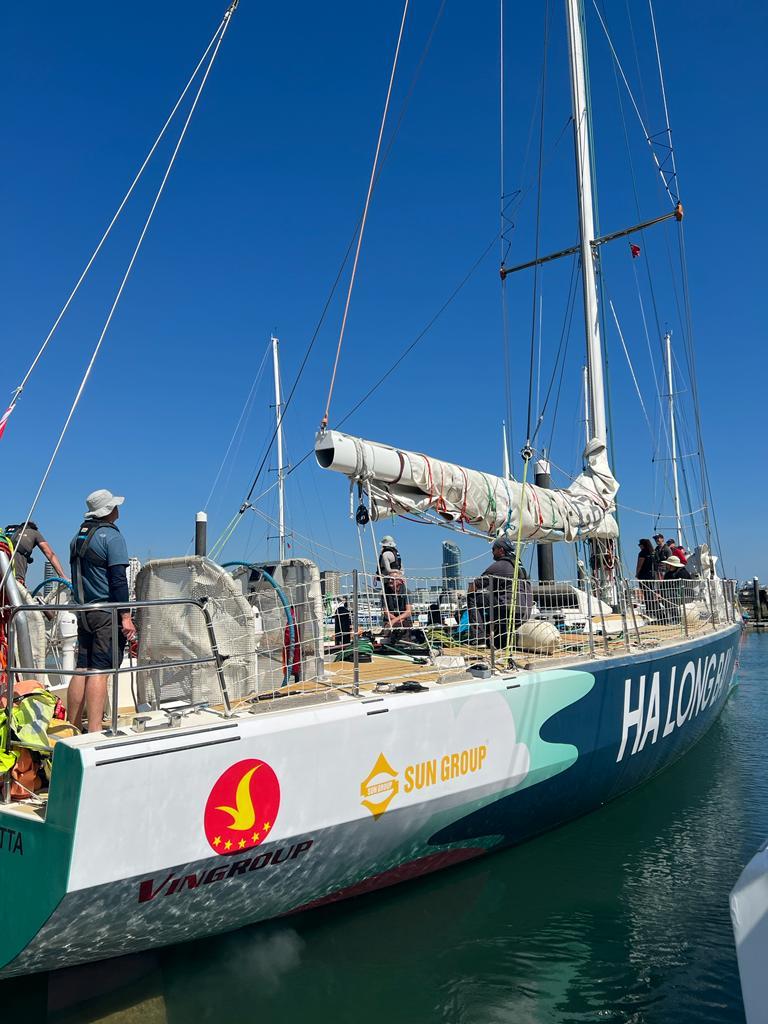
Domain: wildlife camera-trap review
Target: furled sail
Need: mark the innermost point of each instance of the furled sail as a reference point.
(401, 482)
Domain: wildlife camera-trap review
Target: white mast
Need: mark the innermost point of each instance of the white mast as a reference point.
(585, 395)
(280, 469)
(672, 436)
(586, 217)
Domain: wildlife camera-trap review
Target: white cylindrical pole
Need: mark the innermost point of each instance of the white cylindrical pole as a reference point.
(201, 533)
(586, 218)
(280, 470)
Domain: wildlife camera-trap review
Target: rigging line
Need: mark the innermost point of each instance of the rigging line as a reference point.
(560, 383)
(20, 388)
(567, 318)
(309, 541)
(668, 127)
(110, 315)
(247, 503)
(343, 264)
(501, 129)
(646, 263)
(646, 260)
(631, 369)
(538, 221)
(662, 174)
(418, 337)
(324, 421)
(538, 366)
(247, 404)
(706, 492)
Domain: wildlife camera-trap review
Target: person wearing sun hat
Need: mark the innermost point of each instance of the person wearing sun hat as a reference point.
(98, 558)
(676, 587)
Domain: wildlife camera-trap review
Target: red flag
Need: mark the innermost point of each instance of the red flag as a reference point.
(634, 249)
(4, 418)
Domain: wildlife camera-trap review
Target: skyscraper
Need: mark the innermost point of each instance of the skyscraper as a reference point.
(451, 566)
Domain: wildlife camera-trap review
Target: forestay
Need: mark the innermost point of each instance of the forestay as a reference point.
(402, 482)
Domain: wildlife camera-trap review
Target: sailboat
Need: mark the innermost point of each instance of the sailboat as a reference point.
(249, 781)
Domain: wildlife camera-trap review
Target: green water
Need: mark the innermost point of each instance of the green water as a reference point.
(621, 916)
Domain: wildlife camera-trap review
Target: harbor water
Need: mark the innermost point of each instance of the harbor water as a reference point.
(620, 916)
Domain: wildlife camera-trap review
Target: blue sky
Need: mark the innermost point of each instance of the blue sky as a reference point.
(259, 211)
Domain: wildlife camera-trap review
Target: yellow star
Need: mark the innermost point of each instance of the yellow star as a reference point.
(227, 845)
(217, 841)
(267, 826)
(255, 837)
(241, 844)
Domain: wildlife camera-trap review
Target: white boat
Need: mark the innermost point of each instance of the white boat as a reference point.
(749, 917)
(253, 777)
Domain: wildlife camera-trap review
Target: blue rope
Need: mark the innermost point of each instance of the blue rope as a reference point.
(52, 579)
(286, 608)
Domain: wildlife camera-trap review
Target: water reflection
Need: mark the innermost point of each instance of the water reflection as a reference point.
(620, 916)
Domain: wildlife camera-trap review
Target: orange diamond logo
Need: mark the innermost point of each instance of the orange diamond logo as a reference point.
(379, 788)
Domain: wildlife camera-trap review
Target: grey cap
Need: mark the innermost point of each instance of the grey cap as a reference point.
(388, 542)
(100, 503)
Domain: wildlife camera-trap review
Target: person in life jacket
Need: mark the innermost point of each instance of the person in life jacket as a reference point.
(24, 543)
(98, 559)
(493, 599)
(397, 603)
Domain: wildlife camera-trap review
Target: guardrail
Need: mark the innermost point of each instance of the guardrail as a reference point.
(490, 618)
(114, 609)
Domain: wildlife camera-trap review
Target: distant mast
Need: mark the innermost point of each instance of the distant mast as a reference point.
(586, 218)
(280, 469)
(673, 437)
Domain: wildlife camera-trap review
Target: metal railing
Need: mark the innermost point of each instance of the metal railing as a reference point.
(114, 609)
(480, 619)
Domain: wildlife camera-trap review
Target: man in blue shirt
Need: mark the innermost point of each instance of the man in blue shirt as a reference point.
(98, 559)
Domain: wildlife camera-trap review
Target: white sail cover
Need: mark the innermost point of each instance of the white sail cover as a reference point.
(402, 482)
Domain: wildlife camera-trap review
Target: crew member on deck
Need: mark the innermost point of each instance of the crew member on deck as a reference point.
(98, 559)
(23, 546)
(490, 597)
(397, 603)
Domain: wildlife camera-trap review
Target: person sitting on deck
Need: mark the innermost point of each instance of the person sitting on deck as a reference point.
(491, 597)
(24, 543)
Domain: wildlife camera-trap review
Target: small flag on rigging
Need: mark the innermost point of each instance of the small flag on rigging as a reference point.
(5, 417)
(634, 249)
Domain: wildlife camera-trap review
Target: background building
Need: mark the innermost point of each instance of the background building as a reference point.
(451, 566)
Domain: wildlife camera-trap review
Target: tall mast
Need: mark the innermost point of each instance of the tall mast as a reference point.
(280, 469)
(673, 437)
(586, 217)
(585, 396)
(505, 451)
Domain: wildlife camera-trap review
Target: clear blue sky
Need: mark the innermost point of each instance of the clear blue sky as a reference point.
(260, 209)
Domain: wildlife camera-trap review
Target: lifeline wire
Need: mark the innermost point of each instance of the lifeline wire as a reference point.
(20, 388)
(371, 182)
(108, 321)
(286, 404)
(667, 182)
